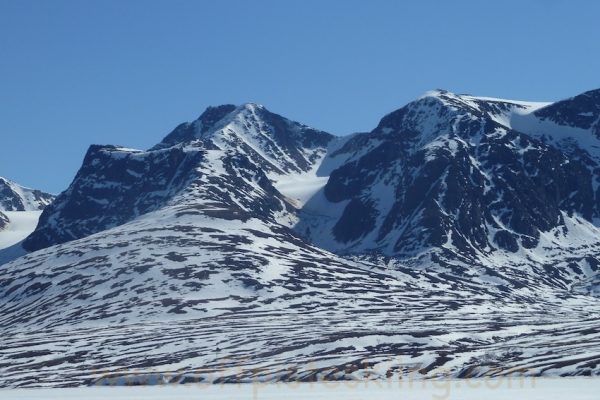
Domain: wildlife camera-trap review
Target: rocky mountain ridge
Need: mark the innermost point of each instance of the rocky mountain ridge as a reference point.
(14, 197)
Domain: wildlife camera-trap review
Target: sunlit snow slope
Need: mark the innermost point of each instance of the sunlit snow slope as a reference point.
(19, 225)
(20, 209)
(14, 197)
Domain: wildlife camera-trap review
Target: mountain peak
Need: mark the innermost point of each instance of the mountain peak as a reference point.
(446, 99)
(209, 120)
(252, 106)
(436, 93)
(581, 111)
(278, 144)
(213, 114)
(189, 130)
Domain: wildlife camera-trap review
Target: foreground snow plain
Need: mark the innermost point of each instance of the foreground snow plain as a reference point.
(466, 389)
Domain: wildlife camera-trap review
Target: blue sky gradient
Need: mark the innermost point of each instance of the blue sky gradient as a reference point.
(126, 72)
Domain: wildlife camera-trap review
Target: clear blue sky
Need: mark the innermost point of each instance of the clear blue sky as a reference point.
(126, 72)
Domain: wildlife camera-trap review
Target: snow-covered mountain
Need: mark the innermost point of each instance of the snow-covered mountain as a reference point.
(468, 174)
(20, 209)
(14, 197)
(228, 157)
(461, 236)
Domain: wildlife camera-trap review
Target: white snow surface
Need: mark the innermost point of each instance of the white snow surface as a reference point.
(21, 224)
(476, 389)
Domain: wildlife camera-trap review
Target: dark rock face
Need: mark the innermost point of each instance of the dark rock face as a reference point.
(3, 221)
(357, 220)
(460, 178)
(223, 170)
(291, 138)
(188, 131)
(582, 111)
(114, 187)
(9, 199)
(506, 241)
(111, 188)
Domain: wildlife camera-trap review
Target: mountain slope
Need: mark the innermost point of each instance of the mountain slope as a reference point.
(581, 112)
(3, 221)
(20, 209)
(115, 185)
(184, 296)
(279, 146)
(191, 292)
(449, 171)
(16, 226)
(460, 237)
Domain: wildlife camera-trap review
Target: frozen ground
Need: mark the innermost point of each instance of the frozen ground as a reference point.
(478, 389)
